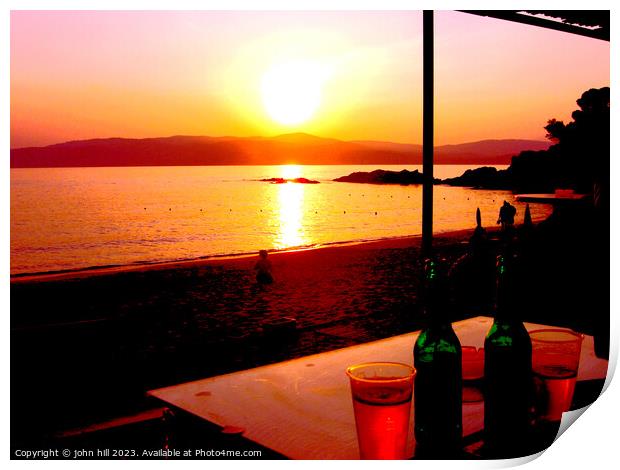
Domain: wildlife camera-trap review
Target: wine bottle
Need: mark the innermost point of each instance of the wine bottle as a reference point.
(508, 381)
(438, 392)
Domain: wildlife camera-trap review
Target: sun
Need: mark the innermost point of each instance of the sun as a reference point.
(291, 91)
(290, 171)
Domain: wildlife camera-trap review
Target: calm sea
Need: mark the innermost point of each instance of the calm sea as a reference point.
(73, 218)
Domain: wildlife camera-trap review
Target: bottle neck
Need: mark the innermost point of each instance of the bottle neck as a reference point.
(436, 315)
(506, 296)
(435, 293)
(506, 315)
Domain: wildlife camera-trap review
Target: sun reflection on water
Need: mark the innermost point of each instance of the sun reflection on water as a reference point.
(291, 204)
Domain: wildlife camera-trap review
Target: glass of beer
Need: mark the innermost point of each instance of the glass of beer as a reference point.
(555, 362)
(381, 394)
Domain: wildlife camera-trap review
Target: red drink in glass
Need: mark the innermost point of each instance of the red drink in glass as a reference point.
(382, 404)
(555, 362)
(557, 386)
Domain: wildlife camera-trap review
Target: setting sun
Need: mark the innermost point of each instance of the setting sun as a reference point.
(291, 92)
(290, 171)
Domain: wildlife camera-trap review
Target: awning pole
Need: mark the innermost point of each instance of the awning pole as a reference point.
(427, 131)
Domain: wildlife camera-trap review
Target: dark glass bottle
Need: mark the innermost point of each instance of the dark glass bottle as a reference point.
(438, 392)
(507, 371)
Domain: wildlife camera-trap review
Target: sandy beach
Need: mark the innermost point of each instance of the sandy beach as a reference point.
(315, 286)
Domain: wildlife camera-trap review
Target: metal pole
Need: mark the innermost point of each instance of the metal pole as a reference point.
(427, 131)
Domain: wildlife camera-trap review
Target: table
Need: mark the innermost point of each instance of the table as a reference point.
(302, 408)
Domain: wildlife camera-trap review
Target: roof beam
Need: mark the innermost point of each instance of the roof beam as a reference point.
(601, 33)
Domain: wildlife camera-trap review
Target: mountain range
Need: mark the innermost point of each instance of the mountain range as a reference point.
(299, 148)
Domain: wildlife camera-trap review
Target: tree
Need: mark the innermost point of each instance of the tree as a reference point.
(579, 158)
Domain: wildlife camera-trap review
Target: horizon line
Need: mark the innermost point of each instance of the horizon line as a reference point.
(270, 137)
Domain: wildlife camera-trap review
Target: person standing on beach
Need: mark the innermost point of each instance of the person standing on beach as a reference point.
(263, 268)
(507, 215)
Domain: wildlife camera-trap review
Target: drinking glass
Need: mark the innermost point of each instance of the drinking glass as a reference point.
(381, 393)
(555, 363)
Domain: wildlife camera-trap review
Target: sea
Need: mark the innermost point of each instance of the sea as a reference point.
(65, 219)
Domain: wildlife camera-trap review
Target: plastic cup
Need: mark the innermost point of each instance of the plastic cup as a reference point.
(555, 363)
(381, 393)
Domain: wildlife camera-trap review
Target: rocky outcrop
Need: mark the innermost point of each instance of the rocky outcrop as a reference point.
(289, 180)
(404, 177)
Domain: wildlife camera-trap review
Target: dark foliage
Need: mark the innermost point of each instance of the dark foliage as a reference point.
(578, 159)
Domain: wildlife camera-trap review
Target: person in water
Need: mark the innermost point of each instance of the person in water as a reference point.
(263, 268)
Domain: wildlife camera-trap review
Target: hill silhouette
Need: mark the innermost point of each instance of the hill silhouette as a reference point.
(297, 148)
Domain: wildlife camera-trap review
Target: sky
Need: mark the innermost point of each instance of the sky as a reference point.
(89, 74)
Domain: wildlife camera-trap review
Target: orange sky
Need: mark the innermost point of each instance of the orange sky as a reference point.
(77, 75)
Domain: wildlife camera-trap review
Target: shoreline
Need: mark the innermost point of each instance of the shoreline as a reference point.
(227, 284)
(407, 241)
